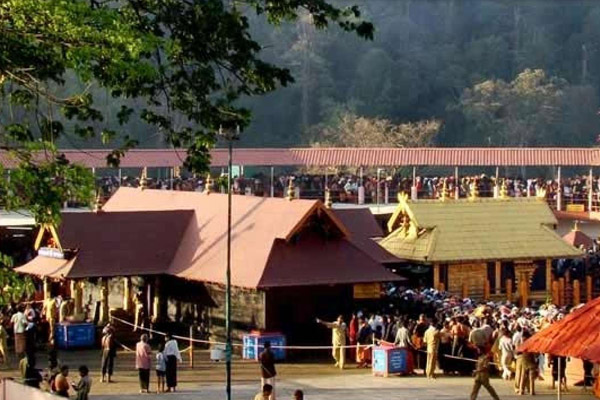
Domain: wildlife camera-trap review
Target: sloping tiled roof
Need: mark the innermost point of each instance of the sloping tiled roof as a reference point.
(484, 229)
(115, 244)
(577, 335)
(578, 238)
(363, 228)
(367, 157)
(257, 225)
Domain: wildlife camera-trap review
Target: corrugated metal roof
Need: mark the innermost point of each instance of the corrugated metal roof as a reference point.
(367, 157)
(484, 229)
(575, 336)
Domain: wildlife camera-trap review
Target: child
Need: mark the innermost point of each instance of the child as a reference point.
(161, 368)
(84, 385)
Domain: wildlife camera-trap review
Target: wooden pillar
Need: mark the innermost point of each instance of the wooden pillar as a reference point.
(576, 292)
(548, 275)
(192, 345)
(524, 291)
(465, 290)
(498, 277)
(127, 303)
(509, 285)
(561, 292)
(436, 276)
(442, 287)
(588, 287)
(555, 293)
(486, 289)
(103, 301)
(47, 291)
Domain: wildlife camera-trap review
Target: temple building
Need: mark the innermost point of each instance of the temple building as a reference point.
(491, 248)
(291, 261)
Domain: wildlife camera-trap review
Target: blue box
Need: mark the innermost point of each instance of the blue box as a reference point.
(69, 336)
(253, 345)
(389, 360)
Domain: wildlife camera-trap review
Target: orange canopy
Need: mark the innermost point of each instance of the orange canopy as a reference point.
(577, 335)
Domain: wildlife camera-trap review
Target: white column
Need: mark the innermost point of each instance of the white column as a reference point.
(414, 195)
(361, 188)
(590, 190)
(456, 184)
(559, 191)
(272, 181)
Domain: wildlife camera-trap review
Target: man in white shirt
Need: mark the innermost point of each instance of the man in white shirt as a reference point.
(19, 324)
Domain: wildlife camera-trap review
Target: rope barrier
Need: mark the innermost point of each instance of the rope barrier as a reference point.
(212, 342)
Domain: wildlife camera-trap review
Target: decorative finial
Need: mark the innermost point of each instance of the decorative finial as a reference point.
(291, 192)
(576, 226)
(144, 179)
(208, 184)
(444, 195)
(177, 172)
(98, 203)
(541, 193)
(474, 195)
(328, 200)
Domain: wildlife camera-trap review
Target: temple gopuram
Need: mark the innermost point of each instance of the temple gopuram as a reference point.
(485, 248)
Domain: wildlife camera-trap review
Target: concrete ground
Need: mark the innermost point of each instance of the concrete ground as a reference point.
(319, 380)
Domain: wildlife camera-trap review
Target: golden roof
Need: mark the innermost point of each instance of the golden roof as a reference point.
(475, 230)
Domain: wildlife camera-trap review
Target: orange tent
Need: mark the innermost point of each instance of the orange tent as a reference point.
(577, 335)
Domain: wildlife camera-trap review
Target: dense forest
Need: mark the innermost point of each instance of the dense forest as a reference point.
(486, 72)
(494, 72)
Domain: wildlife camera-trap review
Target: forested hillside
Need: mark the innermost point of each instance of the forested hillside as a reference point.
(494, 72)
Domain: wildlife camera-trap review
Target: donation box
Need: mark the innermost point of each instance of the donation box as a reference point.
(69, 336)
(254, 345)
(390, 360)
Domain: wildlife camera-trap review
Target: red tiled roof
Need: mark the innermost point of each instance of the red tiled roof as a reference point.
(577, 335)
(368, 157)
(314, 261)
(578, 238)
(257, 223)
(116, 244)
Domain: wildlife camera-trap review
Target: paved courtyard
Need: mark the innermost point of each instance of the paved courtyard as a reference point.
(319, 380)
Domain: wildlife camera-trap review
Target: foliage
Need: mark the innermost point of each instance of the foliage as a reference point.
(350, 130)
(524, 112)
(14, 287)
(183, 64)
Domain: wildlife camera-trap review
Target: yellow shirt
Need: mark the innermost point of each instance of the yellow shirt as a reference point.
(338, 331)
(432, 339)
(260, 396)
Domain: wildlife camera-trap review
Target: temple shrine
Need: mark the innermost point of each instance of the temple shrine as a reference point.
(485, 248)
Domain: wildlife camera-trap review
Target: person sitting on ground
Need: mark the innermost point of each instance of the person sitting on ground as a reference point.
(61, 384)
(265, 394)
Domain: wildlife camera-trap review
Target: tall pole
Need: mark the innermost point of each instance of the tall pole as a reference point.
(228, 274)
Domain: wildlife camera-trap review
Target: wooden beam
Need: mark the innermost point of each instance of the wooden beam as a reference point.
(436, 276)
(548, 275)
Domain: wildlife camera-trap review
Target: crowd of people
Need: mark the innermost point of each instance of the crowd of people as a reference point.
(344, 188)
(456, 336)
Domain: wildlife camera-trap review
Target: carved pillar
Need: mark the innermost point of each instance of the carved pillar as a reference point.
(561, 292)
(523, 273)
(103, 301)
(588, 287)
(77, 296)
(157, 303)
(486, 290)
(127, 303)
(498, 276)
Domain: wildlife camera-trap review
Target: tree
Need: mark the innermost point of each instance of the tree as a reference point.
(350, 130)
(528, 111)
(188, 62)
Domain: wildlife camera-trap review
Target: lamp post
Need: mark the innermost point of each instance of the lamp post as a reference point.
(230, 136)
